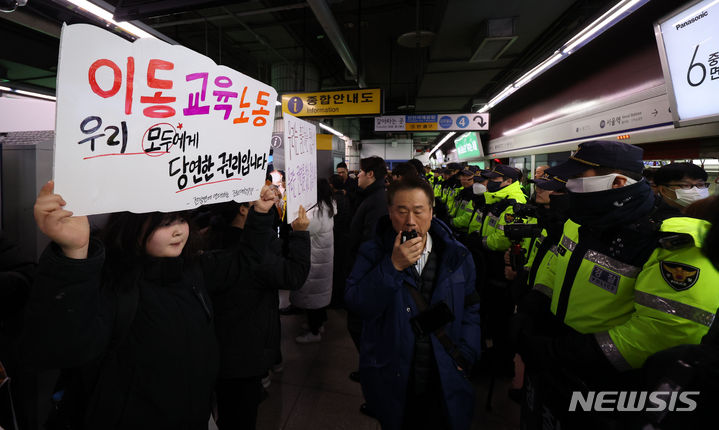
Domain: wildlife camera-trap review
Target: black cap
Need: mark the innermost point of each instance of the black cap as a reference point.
(473, 169)
(454, 166)
(485, 174)
(600, 153)
(550, 184)
(466, 172)
(504, 170)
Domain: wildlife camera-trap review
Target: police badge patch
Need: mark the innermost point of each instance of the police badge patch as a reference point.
(678, 275)
(508, 218)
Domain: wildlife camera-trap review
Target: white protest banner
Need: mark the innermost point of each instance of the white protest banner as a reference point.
(147, 126)
(300, 165)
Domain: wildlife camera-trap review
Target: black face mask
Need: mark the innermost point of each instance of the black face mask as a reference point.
(610, 208)
(493, 186)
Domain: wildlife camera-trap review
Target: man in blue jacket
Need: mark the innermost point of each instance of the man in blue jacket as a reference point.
(420, 313)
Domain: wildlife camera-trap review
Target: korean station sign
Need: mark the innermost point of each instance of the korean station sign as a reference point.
(433, 122)
(334, 103)
(688, 41)
(146, 126)
(300, 142)
(468, 146)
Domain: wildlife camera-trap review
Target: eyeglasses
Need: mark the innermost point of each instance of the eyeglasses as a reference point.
(689, 186)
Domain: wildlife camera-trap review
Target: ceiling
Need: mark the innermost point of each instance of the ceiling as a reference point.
(253, 36)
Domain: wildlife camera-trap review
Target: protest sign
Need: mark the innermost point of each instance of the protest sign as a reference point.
(147, 126)
(300, 165)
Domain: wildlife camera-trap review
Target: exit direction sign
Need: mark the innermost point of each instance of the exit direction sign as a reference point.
(433, 122)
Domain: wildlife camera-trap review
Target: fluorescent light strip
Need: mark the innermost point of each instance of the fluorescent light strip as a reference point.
(107, 16)
(444, 139)
(27, 93)
(601, 24)
(332, 130)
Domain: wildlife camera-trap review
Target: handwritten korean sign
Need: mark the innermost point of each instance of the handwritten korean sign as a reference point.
(300, 165)
(148, 126)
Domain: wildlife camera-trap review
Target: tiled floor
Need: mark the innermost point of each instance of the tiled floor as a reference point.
(314, 391)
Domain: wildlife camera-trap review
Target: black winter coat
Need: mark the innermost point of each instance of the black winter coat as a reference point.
(247, 320)
(162, 374)
(371, 206)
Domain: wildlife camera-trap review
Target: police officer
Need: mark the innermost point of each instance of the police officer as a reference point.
(624, 286)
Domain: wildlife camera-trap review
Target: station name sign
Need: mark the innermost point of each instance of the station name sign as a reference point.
(433, 122)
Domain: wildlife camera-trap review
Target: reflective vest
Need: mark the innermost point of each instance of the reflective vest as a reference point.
(463, 215)
(633, 311)
(492, 230)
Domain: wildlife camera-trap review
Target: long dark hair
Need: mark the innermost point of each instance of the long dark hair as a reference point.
(324, 195)
(126, 234)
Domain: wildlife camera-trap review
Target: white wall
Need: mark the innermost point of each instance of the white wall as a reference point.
(402, 151)
(26, 114)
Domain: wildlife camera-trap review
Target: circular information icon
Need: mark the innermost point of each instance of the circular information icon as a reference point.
(276, 141)
(445, 122)
(295, 105)
(462, 121)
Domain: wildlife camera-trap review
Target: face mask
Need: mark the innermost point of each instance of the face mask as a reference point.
(494, 186)
(593, 184)
(687, 197)
(478, 188)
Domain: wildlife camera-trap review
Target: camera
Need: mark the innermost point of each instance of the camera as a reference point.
(517, 232)
(407, 235)
(525, 211)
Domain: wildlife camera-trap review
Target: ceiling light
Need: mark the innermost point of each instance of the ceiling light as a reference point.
(27, 93)
(444, 139)
(332, 130)
(618, 12)
(608, 19)
(107, 16)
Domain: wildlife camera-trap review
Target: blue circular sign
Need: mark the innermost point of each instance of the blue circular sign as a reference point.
(295, 105)
(462, 122)
(445, 122)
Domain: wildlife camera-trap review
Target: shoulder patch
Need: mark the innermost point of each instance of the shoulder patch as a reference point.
(679, 276)
(508, 218)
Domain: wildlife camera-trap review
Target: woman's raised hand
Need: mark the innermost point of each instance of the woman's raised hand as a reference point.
(72, 233)
(302, 222)
(268, 197)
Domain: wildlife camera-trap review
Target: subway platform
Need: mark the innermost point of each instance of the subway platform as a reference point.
(313, 391)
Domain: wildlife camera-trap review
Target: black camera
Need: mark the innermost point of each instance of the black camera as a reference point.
(517, 232)
(525, 211)
(432, 319)
(407, 235)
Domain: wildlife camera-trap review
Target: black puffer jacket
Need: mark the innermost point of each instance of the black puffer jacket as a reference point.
(247, 319)
(162, 374)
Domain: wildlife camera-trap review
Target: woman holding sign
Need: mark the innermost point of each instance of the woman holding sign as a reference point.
(131, 315)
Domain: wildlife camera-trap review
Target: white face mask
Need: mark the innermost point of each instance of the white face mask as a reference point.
(594, 184)
(687, 197)
(478, 188)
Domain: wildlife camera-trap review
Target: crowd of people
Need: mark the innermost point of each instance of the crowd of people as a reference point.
(604, 278)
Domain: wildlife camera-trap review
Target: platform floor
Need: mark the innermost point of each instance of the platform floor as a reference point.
(314, 390)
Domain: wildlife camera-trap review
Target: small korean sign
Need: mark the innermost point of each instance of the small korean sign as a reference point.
(430, 122)
(300, 165)
(147, 126)
(334, 103)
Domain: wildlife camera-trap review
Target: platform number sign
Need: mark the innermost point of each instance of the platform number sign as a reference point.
(295, 105)
(688, 41)
(462, 122)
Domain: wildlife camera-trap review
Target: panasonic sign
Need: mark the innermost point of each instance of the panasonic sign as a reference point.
(632, 401)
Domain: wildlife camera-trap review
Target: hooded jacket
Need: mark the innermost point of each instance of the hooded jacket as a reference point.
(377, 292)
